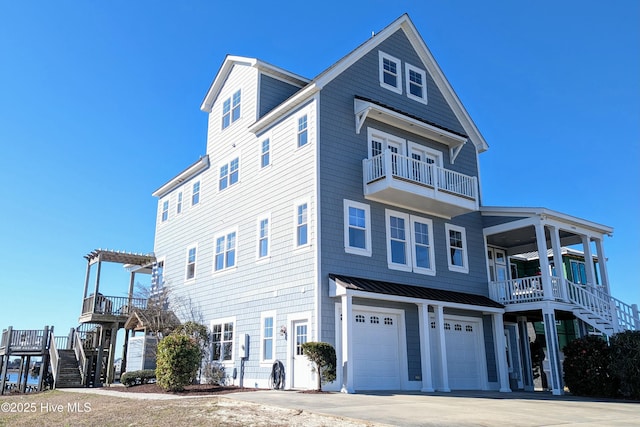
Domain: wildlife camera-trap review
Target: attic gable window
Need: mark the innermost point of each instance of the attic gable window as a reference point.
(390, 72)
(231, 109)
(416, 81)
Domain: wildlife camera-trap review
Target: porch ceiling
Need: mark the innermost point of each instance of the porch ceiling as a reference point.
(524, 239)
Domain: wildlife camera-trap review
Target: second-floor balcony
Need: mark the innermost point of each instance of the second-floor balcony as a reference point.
(402, 181)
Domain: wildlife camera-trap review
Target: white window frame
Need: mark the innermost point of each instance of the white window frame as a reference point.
(386, 139)
(366, 251)
(179, 202)
(225, 250)
(234, 335)
(164, 212)
(432, 260)
(227, 176)
(263, 153)
(187, 263)
(465, 253)
(381, 57)
(232, 109)
(194, 193)
(295, 223)
(306, 130)
(260, 238)
(410, 242)
(158, 279)
(407, 266)
(263, 316)
(407, 69)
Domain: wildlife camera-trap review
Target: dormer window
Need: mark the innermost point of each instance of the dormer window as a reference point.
(231, 110)
(390, 72)
(416, 80)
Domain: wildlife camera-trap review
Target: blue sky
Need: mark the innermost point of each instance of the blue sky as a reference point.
(99, 106)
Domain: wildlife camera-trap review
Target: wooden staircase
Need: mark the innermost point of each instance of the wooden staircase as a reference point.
(69, 375)
(604, 313)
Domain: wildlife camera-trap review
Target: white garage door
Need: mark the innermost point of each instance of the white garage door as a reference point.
(376, 351)
(464, 353)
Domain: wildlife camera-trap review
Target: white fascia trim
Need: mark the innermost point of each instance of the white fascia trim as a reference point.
(544, 214)
(185, 175)
(364, 109)
(221, 78)
(337, 290)
(227, 65)
(284, 108)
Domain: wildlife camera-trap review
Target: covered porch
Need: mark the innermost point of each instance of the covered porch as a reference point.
(555, 289)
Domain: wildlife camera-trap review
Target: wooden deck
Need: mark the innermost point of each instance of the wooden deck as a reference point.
(109, 309)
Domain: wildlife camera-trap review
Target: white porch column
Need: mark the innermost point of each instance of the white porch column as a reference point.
(347, 347)
(541, 240)
(442, 349)
(602, 263)
(525, 350)
(553, 352)
(557, 261)
(588, 260)
(425, 348)
(501, 352)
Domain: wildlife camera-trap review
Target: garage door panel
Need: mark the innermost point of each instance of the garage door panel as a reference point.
(376, 351)
(464, 357)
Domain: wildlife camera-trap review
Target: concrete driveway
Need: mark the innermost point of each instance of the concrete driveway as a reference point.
(457, 408)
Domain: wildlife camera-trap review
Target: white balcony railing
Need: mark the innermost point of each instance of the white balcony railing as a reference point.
(586, 297)
(421, 173)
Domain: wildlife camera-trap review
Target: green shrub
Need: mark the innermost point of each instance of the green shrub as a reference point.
(625, 362)
(178, 359)
(323, 357)
(131, 378)
(586, 367)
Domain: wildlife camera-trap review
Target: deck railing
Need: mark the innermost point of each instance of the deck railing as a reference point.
(419, 172)
(117, 306)
(620, 315)
(78, 347)
(24, 340)
(53, 355)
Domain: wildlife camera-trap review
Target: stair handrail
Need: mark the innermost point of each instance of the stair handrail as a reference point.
(80, 356)
(621, 315)
(54, 357)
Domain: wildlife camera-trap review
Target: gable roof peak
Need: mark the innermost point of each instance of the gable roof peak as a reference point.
(231, 60)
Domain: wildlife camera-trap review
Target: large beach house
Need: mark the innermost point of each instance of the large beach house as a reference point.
(347, 209)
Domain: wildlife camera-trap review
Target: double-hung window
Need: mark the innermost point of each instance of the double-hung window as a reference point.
(222, 340)
(165, 210)
(409, 243)
(179, 204)
(416, 81)
(191, 263)
(263, 237)
(302, 224)
(357, 228)
(225, 251)
(267, 324)
(265, 154)
(422, 245)
(229, 174)
(195, 194)
(457, 248)
(390, 72)
(302, 131)
(231, 109)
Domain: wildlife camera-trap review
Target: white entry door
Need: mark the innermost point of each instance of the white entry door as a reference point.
(301, 372)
